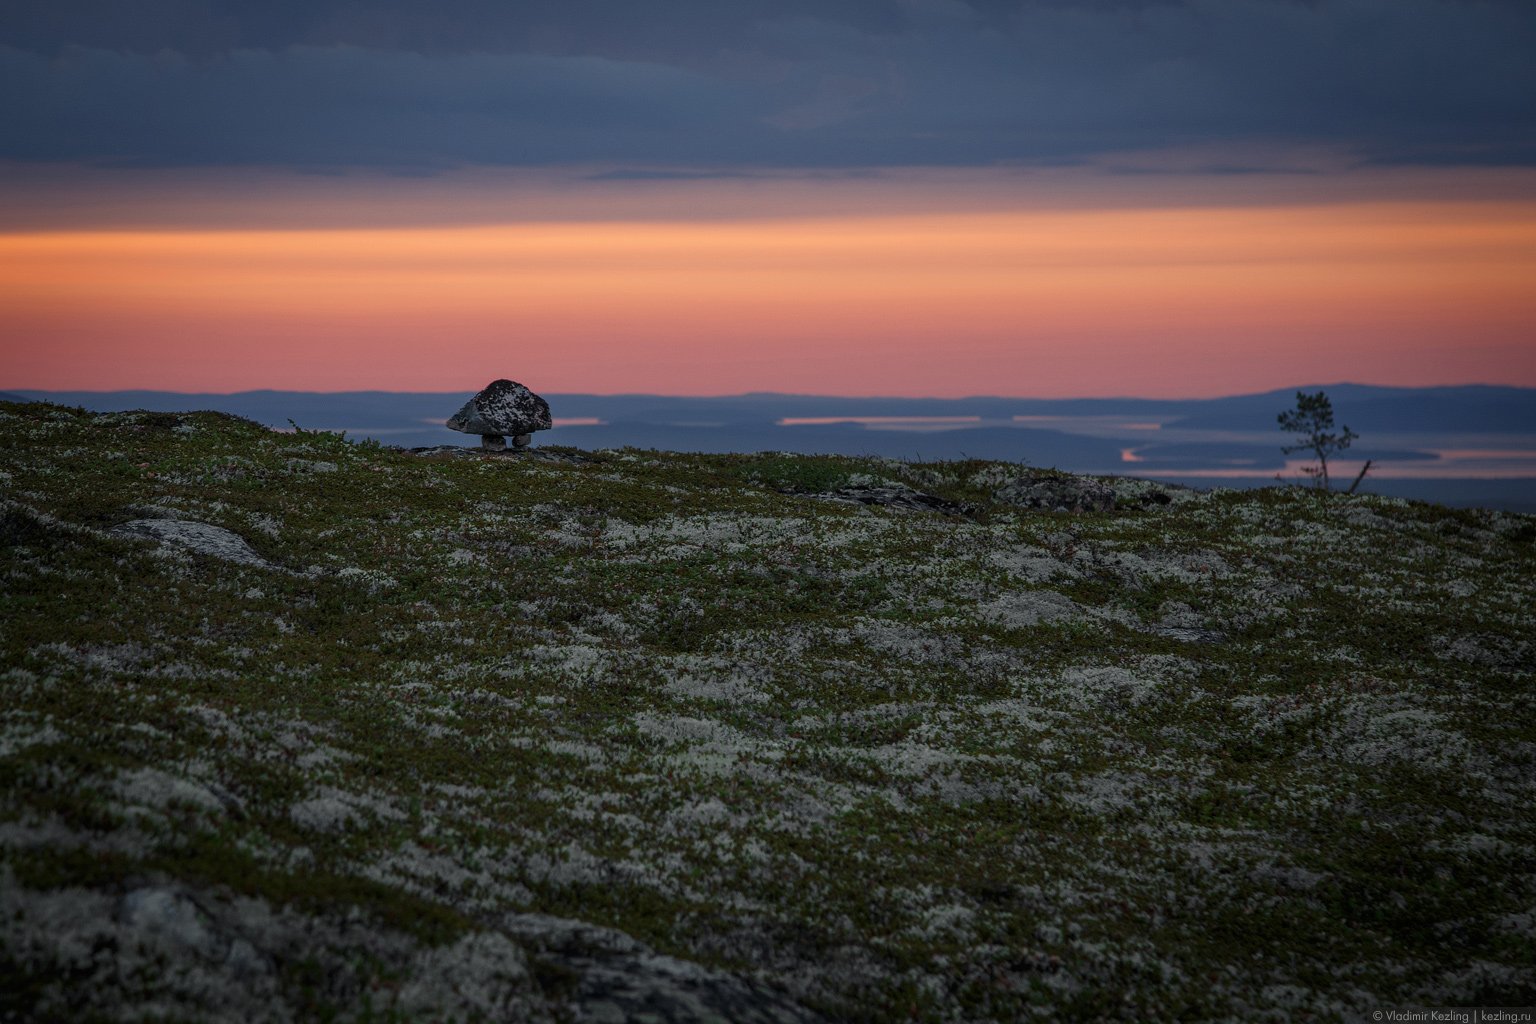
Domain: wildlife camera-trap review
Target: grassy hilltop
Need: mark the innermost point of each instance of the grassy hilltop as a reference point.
(298, 729)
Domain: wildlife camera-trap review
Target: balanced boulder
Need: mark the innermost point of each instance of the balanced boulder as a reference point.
(504, 407)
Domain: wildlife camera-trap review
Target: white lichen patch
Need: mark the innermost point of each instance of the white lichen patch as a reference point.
(716, 681)
(17, 733)
(1378, 730)
(1021, 609)
(1031, 564)
(159, 791)
(330, 809)
(1097, 687)
(369, 579)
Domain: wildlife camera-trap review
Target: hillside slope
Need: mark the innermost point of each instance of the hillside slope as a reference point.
(298, 729)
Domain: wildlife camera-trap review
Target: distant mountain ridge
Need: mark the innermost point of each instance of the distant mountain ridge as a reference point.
(1470, 408)
(1497, 407)
(1232, 440)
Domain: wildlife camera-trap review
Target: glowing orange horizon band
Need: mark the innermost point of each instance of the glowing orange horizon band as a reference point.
(1147, 301)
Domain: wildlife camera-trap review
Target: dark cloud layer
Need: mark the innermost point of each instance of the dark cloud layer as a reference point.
(716, 85)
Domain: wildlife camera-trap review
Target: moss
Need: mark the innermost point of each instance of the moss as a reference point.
(673, 695)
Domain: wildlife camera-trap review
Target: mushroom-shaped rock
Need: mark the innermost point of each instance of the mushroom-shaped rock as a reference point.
(504, 407)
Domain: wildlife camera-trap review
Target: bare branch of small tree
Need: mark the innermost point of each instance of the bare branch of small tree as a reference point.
(1360, 476)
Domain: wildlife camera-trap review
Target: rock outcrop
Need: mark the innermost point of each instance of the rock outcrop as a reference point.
(199, 538)
(891, 495)
(1057, 494)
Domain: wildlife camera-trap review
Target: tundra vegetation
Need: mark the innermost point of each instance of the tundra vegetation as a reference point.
(293, 728)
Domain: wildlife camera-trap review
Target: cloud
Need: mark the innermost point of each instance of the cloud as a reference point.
(713, 87)
(667, 30)
(346, 106)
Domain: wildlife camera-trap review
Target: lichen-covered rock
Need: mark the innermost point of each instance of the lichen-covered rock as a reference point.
(171, 950)
(504, 407)
(483, 976)
(200, 538)
(1057, 494)
(891, 495)
(614, 978)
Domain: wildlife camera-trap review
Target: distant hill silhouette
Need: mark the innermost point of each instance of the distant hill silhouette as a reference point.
(1163, 437)
(1470, 409)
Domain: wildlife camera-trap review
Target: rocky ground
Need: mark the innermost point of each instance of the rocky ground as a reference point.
(298, 729)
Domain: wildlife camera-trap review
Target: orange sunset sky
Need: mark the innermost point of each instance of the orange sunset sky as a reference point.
(942, 284)
(1166, 198)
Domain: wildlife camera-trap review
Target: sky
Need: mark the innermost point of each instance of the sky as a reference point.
(1169, 198)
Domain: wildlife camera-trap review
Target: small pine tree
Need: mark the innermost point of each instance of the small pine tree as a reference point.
(1312, 423)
